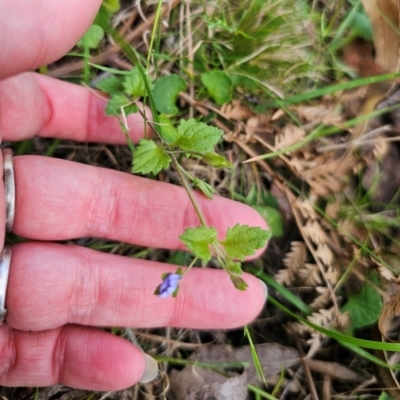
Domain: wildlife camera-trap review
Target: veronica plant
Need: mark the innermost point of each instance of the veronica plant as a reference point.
(190, 138)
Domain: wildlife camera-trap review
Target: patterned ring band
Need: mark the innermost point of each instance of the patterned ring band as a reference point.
(9, 188)
(5, 262)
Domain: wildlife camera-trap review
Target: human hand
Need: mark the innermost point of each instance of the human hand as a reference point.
(57, 293)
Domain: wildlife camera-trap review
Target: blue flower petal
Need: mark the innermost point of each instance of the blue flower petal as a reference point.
(169, 285)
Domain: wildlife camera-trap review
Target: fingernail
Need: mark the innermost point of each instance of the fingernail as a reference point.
(151, 369)
(264, 288)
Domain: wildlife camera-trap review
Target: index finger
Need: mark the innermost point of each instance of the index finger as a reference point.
(36, 105)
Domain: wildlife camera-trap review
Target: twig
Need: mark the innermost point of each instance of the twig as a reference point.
(311, 385)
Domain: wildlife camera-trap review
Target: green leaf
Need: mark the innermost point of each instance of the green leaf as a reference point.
(179, 258)
(273, 218)
(134, 84)
(166, 92)
(385, 396)
(167, 130)
(361, 26)
(216, 160)
(92, 37)
(157, 291)
(234, 267)
(119, 101)
(364, 307)
(238, 282)
(245, 81)
(243, 240)
(111, 6)
(149, 158)
(219, 86)
(198, 241)
(130, 109)
(111, 84)
(197, 136)
(204, 187)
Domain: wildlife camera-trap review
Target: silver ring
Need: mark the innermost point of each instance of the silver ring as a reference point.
(5, 262)
(9, 188)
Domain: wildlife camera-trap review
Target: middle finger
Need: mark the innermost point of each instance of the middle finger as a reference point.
(51, 285)
(58, 200)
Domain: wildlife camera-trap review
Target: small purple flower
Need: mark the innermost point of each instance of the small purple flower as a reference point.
(169, 285)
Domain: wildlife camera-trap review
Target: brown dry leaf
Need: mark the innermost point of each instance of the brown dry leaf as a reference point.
(380, 148)
(386, 273)
(358, 54)
(342, 321)
(285, 276)
(296, 257)
(251, 126)
(353, 100)
(314, 342)
(236, 111)
(273, 357)
(293, 261)
(332, 209)
(322, 300)
(310, 275)
(313, 230)
(278, 114)
(384, 17)
(382, 179)
(324, 254)
(306, 208)
(290, 135)
(298, 164)
(298, 328)
(390, 310)
(332, 274)
(328, 174)
(322, 113)
(194, 382)
(324, 317)
(348, 229)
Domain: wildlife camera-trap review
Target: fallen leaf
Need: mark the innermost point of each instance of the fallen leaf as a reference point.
(387, 319)
(384, 17)
(358, 54)
(194, 382)
(325, 113)
(235, 110)
(290, 135)
(273, 357)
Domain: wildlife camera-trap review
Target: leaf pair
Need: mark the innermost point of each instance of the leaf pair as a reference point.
(191, 136)
(241, 241)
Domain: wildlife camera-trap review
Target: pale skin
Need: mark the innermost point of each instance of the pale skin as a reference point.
(58, 294)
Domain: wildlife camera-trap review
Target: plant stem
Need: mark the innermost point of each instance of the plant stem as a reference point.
(188, 191)
(153, 34)
(190, 266)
